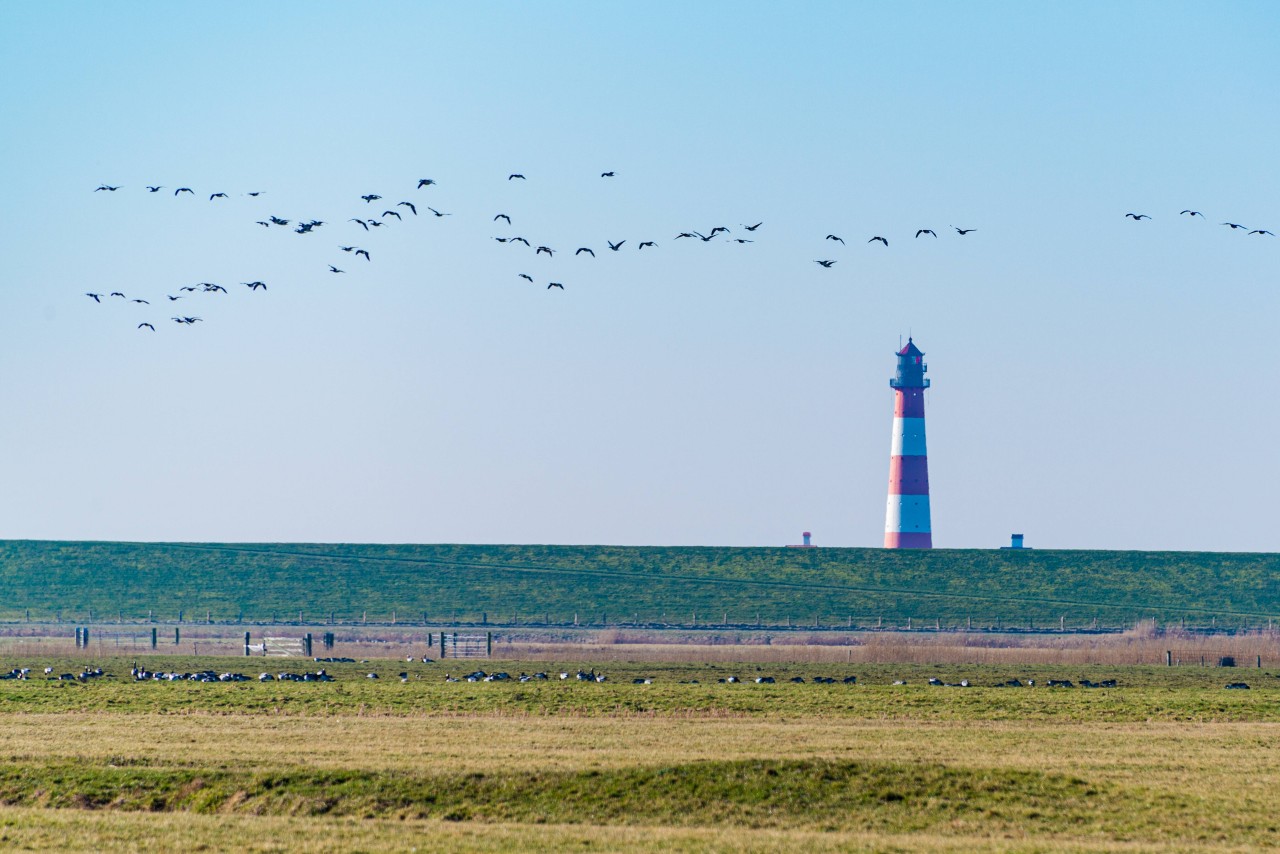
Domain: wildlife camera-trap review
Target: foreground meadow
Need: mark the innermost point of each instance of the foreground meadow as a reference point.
(1168, 759)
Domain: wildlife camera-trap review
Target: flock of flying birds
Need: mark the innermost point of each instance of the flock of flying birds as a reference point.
(1234, 226)
(402, 209)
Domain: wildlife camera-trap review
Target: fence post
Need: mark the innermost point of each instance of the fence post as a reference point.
(246, 643)
(306, 641)
(1168, 658)
(489, 643)
(1259, 662)
(153, 637)
(442, 653)
(177, 635)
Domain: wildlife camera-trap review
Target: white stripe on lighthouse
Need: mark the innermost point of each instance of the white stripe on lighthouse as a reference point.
(907, 514)
(908, 437)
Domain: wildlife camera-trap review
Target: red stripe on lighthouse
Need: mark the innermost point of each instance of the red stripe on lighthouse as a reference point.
(908, 475)
(908, 540)
(909, 403)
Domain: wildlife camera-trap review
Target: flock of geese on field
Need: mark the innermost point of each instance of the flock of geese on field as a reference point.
(407, 210)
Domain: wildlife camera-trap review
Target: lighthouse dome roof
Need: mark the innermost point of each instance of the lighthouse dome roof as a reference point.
(910, 349)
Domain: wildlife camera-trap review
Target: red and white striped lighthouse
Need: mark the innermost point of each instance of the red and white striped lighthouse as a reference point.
(906, 518)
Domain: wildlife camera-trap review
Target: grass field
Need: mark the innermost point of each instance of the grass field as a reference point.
(632, 585)
(1166, 760)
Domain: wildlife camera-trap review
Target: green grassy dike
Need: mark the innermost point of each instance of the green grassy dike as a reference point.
(651, 585)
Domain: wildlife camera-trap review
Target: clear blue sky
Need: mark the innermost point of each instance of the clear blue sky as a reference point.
(1098, 383)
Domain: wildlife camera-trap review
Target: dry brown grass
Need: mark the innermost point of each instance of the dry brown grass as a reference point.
(65, 830)
(1140, 646)
(1227, 771)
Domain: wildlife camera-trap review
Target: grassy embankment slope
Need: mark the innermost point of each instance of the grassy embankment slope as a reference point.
(670, 585)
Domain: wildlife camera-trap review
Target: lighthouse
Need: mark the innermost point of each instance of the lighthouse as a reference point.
(906, 518)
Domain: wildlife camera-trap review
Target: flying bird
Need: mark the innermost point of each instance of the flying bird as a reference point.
(278, 221)
(526, 276)
(963, 231)
(826, 264)
(1192, 213)
(208, 289)
(1261, 231)
(424, 182)
(362, 224)
(703, 237)
(106, 187)
(1235, 225)
(615, 246)
(347, 248)
(365, 253)
(925, 231)
(333, 269)
(408, 205)
(372, 197)
(582, 249)
(184, 190)
(147, 325)
(647, 243)
(96, 298)
(267, 224)
(742, 240)
(753, 227)
(555, 285)
(514, 175)
(718, 229)
(437, 213)
(142, 301)
(253, 286)
(117, 294)
(833, 237)
(1135, 217)
(502, 216)
(217, 196)
(172, 298)
(155, 189)
(547, 249)
(395, 214)
(881, 239)
(682, 234)
(255, 193)
(519, 240)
